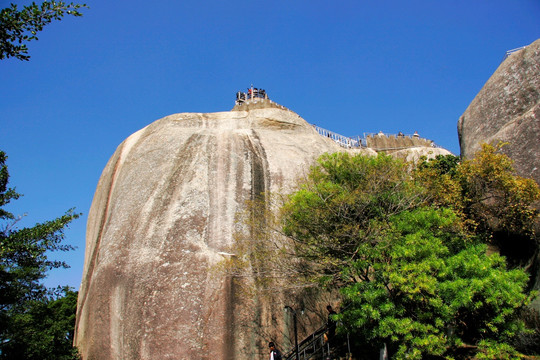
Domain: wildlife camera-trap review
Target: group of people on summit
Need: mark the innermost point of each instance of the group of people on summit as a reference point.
(252, 93)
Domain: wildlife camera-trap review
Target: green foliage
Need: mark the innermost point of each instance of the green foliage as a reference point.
(492, 200)
(423, 296)
(407, 247)
(437, 176)
(529, 341)
(405, 250)
(44, 330)
(442, 164)
(17, 27)
(494, 196)
(489, 350)
(23, 264)
(397, 300)
(341, 207)
(24, 261)
(6, 194)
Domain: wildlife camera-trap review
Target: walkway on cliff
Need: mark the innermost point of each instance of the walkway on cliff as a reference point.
(378, 142)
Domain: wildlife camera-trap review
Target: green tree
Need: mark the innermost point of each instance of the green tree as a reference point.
(494, 201)
(403, 248)
(427, 291)
(18, 27)
(499, 202)
(438, 177)
(44, 330)
(410, 274)
(343, 202)
(24, 263)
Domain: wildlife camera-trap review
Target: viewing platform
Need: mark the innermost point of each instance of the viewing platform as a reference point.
(254, 98)
(253, 94)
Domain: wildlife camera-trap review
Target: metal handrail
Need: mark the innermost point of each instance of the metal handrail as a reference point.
(510, 52)
(345, 141)
(311, 345)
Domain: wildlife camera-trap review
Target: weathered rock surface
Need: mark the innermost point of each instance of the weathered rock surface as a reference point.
(389, 143)
(508, 109)
(163, 211)
(414, 154)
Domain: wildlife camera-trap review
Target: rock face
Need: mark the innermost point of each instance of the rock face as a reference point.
(163, 211)
(389, 143)
(414, 154)
(508, 109)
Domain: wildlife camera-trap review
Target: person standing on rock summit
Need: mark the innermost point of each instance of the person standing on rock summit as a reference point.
(275, 354)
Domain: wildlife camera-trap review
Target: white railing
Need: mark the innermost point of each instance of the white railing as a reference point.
(510, 52)
(345, 141)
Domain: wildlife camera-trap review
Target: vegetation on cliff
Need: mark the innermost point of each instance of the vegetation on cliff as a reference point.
(407, 247)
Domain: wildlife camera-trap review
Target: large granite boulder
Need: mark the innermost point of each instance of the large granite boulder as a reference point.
(508, 109)
(163, 213)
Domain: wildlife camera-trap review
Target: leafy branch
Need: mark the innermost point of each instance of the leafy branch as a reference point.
(18, 27)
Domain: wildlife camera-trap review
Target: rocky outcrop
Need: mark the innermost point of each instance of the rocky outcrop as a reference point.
(163, 212)
(414, 154)
(508, 109)
(389, 143)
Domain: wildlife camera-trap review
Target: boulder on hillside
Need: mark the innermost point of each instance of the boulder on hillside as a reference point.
(508, 109)
(164, 213)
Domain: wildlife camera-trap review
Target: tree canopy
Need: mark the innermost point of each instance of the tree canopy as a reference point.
(490, 197)
(18, 27)
(44, 330)
(406, 245)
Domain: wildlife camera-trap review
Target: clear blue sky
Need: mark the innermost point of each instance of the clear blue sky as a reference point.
(348, 66)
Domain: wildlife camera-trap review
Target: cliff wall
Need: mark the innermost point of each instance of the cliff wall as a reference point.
(163, 210)
(507, 108)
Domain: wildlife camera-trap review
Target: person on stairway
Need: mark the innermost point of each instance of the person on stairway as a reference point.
(275, 354)
(331, 324)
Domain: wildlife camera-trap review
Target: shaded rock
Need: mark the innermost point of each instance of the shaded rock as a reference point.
(508, 109)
